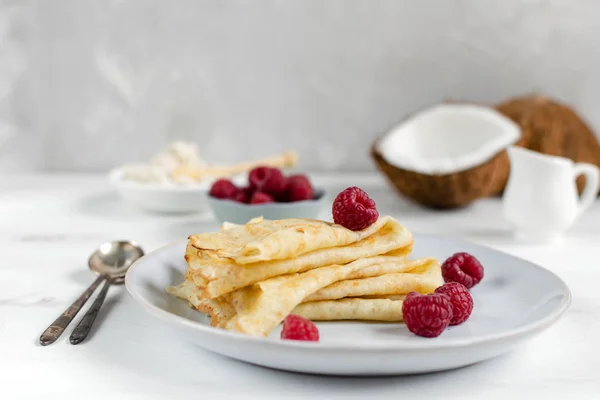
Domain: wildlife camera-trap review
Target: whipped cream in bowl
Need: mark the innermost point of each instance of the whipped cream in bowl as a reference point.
(164, 184)
(161, 167)
(178, 179)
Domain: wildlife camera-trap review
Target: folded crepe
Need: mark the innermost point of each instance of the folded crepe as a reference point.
(374, 299)
(216, 275)
(351, 309)
(268, 240)
(425, 278)
(259, 308)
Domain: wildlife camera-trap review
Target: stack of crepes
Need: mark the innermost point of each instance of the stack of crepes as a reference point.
(250, 277)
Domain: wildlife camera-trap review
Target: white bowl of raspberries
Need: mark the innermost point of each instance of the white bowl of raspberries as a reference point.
(268, 194)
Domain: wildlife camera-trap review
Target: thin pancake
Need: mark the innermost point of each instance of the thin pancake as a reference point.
(424, 279)
(217, 276)
(351, 309)
(264, 305)
(259, 308)
(267, 240)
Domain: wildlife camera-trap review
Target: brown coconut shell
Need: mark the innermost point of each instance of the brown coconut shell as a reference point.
(439, 191)
(548, 127)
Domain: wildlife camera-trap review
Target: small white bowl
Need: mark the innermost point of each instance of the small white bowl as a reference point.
(240, 213)
(163, 198)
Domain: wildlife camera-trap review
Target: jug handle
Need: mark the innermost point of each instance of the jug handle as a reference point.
(592, 183)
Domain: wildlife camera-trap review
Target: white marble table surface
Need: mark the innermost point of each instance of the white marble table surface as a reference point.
(50, 223)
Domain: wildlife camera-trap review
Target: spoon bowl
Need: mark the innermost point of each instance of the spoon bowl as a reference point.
(113, 259)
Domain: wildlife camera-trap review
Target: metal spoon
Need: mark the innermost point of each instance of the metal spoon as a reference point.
(111, 261)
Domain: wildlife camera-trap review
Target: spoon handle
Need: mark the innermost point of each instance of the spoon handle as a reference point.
(59, 325)
(85, 325)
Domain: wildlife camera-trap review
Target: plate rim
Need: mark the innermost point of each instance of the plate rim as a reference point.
(401, 346)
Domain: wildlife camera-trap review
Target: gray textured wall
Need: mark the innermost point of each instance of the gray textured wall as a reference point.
(85, 85)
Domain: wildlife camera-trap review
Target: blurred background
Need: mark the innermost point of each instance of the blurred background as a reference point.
(87, 85)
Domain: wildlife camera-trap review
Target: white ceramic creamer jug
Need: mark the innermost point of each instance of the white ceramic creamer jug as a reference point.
(541, 198)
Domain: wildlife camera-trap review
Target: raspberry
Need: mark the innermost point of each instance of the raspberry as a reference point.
(298, 179)
(354, 209)
(298, 188)
(243, 195)
(260, 198)
(268, 180)
(223, 189)
(296, 327)
(427, 315)
(461, 300)
(462, 268)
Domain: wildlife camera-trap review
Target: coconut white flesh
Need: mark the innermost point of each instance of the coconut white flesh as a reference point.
(448, 138)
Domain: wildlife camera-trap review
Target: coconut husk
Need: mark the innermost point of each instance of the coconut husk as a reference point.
(439, 191)
(547, 127)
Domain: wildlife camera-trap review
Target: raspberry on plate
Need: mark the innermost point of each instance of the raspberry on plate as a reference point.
(260, 198)
(267, 179)
(298, 188)
(461, 300)
(296, 327)
(462, 268)
(354, 209)
(426, 315)
(223, 189)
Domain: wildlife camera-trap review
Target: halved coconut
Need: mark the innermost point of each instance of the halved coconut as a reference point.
(445, 156)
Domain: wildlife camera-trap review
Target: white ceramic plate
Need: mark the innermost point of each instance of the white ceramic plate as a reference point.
(515, 300)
